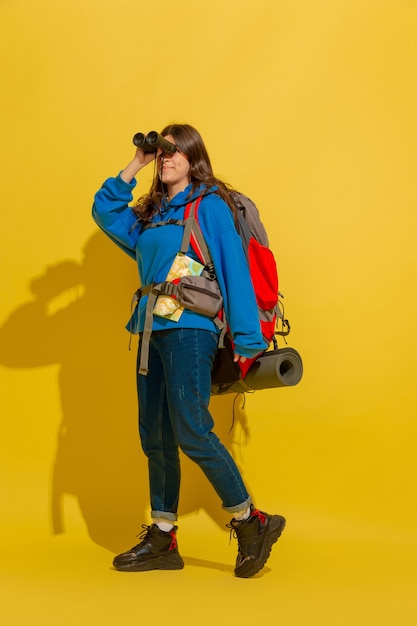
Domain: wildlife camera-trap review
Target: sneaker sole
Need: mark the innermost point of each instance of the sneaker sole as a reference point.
(162, 563)
(252, 567)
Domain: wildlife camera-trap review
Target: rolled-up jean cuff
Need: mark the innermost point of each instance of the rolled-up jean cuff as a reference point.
(171, 517)
(238, 507)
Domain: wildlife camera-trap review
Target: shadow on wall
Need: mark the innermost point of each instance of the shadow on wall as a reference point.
(75, 321)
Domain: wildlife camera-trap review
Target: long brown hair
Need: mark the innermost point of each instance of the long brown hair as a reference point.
(190, 142)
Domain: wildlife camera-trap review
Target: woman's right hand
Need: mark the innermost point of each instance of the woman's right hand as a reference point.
(140, 160)
(143, 158)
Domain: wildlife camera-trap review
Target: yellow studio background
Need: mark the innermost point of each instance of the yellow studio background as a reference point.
(308, 106)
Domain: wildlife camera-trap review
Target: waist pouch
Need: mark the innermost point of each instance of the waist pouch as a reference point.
(196, 293)
(199, 294)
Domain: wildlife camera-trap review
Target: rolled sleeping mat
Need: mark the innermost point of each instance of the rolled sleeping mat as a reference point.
(275, 368)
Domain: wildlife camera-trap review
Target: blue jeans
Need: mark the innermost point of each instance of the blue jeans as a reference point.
(173, 415)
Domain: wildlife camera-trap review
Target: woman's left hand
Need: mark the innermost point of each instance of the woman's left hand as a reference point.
(239, 357)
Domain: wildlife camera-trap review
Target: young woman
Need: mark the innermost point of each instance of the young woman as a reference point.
(174, 395)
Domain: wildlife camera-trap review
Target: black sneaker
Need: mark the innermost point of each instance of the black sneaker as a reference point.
(255, 537)
(157, 550)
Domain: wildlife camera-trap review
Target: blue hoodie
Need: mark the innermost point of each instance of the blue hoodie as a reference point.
(154, 250)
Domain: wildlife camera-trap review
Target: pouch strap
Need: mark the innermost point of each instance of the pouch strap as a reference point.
(222, 326)
(152, 291)
(147, 330)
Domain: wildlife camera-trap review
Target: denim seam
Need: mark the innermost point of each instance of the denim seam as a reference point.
(226, 457)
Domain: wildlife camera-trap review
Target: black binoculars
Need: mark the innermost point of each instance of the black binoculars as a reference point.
(152, 141)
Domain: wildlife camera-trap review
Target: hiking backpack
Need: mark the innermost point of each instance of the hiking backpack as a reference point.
(264, 274)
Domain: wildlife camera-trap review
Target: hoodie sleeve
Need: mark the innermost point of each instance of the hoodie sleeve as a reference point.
(112, 213)
(225, 245)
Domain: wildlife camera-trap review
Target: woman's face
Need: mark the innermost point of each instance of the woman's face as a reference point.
(173, 169)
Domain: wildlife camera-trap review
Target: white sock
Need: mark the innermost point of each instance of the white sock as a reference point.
(242, 515)
(163, 525)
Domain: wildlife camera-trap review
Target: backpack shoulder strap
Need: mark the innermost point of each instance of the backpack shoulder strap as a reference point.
(193, 234)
